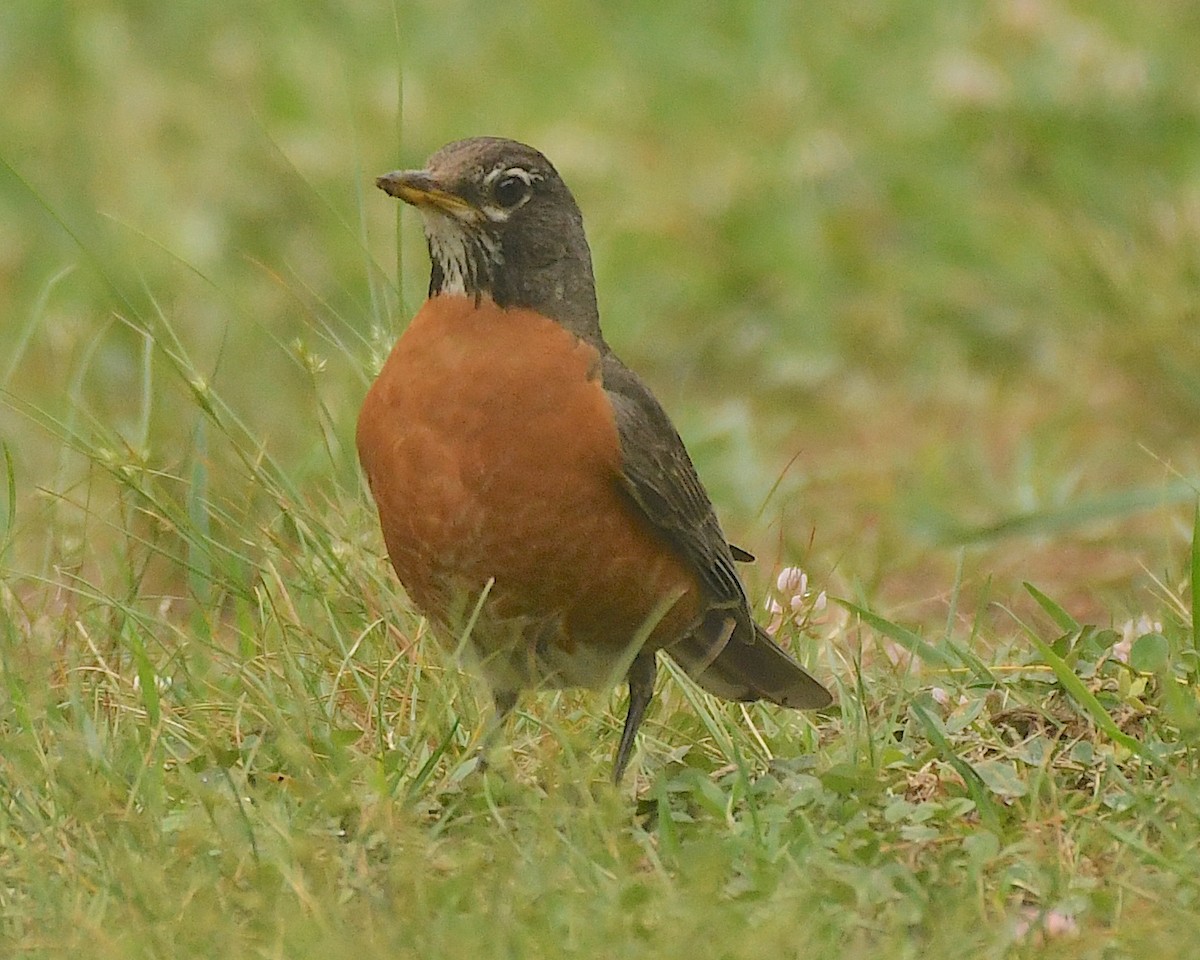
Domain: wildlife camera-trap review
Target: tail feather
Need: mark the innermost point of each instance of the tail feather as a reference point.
(751, 666)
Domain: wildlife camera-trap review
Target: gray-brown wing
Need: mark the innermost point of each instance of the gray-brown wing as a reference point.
(659, 476)
(728, 654)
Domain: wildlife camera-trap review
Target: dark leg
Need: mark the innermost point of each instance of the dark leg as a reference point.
(504, 700)
(641, 692)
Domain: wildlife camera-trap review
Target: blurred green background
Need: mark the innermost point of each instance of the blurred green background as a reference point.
(901, 272)
(919, 284)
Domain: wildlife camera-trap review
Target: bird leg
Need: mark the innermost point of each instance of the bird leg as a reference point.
(641, 692)
(505, 701)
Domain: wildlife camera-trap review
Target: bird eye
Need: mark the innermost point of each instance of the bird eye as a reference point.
(511, 188)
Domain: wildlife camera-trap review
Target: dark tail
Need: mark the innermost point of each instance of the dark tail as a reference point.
(751, 666)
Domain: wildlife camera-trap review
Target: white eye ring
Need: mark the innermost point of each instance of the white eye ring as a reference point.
(509, 188)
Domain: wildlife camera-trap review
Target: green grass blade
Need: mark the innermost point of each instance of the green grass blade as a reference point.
(976, 788)
(1195, 578)
(1064, 621)
(32, 322)
(417, 784)
(1106, 507)
(1079, 692)
(10, 506)
(909, 640)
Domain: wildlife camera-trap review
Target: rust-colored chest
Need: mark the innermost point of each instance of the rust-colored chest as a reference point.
(491, 450)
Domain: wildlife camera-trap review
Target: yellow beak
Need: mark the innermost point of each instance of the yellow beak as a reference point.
(419, 188)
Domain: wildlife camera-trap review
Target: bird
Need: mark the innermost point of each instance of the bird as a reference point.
(536, 502)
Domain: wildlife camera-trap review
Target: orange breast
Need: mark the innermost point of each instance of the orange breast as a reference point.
(491, 450)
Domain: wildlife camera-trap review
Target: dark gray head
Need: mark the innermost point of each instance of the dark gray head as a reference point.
(501, 224)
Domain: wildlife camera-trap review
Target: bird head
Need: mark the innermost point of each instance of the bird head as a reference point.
(501, 223)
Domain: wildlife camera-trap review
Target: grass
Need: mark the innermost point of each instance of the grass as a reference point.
(919, 287)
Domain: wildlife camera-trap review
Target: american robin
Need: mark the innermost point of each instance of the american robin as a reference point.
(536, 502)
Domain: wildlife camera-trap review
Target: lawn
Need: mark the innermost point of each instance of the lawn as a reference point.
(920, 286)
